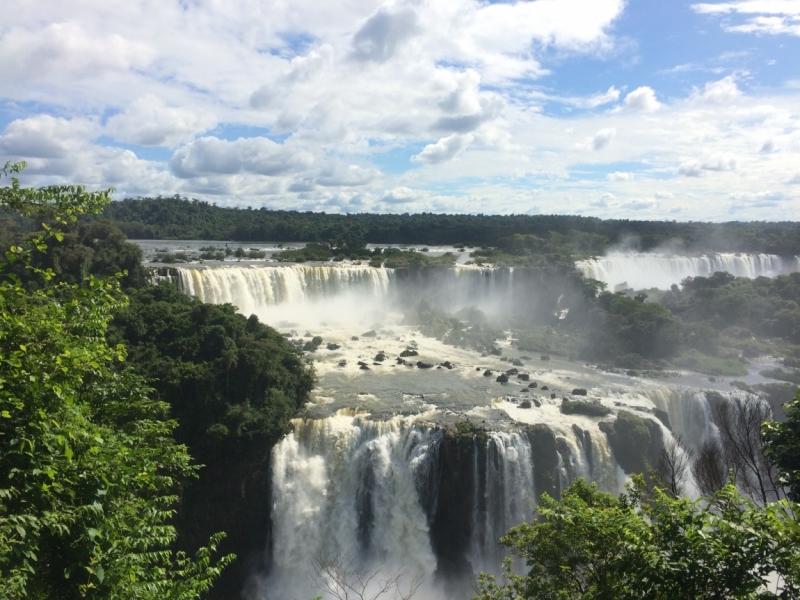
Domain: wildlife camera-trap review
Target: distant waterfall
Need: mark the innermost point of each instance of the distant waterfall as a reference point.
(644, 271)
(254, 288)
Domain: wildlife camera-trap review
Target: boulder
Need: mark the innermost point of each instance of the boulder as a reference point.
(364, 367)
(552, 396)
(536, 403)
(583, 407)
(424, 365)
(579, 392)
(525, 404)
(534, 385)
(409, 352)
(316, 340)
(502, 378)
(544, 388)
(635, 441)
(512, 372)
(354, 338)
(447, 364)
(333, 346)
(544, 357)
(309, 347)
(342, 363)
(523, 377)
(518, 363)
(361, 363)
(496, 351)
(380, 357)
(370, 333)
(487, 373)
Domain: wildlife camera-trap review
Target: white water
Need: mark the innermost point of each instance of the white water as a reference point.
(645, 271)
(366, 487)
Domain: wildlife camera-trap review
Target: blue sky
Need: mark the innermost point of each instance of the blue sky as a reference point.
(642, 109)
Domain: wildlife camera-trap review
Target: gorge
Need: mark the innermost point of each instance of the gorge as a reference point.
(415, 454)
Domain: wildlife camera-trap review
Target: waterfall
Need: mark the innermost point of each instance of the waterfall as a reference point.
(355, 488)
(644, 271)
(689, 413)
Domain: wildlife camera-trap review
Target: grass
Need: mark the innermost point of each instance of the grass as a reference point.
(709, 365)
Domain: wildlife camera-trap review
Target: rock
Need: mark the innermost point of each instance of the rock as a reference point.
(361, 363)
(518, 363)
(307, 334)
(477, 368)
(536, 403)
(380, 357)
(424, 365)
(525, 404)
(544, 388)
(524, 357)
(487, 373)
(502, 378)
(309, 347)
(401, 361)
(534, 385)
(552, 396)
(370, 333)
(447, 364)
(504, 359)
(496, 351)
(579, 392)
(582, 407)
(409, 352)
(342, 363)
(523, 377)
(354, 338)
(287, 335)
(636, 442)
(546, 473)
(512, 372)
(364, 368)
(333, 346)
(316, 340)
(663, 416)
(545, 357)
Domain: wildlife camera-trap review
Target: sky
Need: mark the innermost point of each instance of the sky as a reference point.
(638, 109)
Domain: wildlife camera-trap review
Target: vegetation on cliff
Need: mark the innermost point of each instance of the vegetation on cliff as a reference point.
(89, 470)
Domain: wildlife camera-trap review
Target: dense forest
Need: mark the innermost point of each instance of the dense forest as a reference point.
(177, 218)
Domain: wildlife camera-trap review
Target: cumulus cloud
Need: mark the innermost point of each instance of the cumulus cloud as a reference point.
(259, 156)
(43, 136)
(795, 180)
(444, 150)
(640, 204)
(643, 98)
(724, 91)
(699, 168)
(750, 200)
(619, 176)
(603, 138)
(768, 147)
(65, 51)
(379, 38)
(150, 122)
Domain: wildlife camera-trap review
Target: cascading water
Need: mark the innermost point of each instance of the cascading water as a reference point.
(644, 271)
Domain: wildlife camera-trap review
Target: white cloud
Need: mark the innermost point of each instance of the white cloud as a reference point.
(758, 200)
(444, 150)
(643, 98)
(43, 136)
(619, 176)
(768, 147)
(640, 204)
(150, 122)
(724, 91)
(603, 138)
(699, 168)
(795, 180)
(379, 38)
(773, 17)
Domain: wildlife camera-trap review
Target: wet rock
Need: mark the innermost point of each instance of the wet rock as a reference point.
(579, 392)
(307, 334)
(524, 357)
(487, 373)
(504, 359)
(477, 368)
(424, 365)
(496, 351)
(502, 378)
(544, 357)
(316, 340)
(401, 361)
(370, 333)
(523, 377)
(518, 363)
(544, 388)
(545, 466)
(534, 385)
(662, 416)
(583, 407)
(512, 372)
(552, 396)
(364, 368)
(636, 442)
(377, 364)
(409, 352)
(536, 403)
(333, 346)
(447, 364)
(361, 363)
(354, 338)
(380, 357)
(342, 363)
(525, 404)
(287, 335)
(309, 347)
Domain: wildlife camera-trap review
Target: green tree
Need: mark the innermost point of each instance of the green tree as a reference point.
(783, 446)
(88, 465)
(592, 545)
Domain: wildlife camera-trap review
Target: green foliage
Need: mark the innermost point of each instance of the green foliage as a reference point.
(88, 466)
(468, 328)
(592, 545)
(783, 446)
(710, 365)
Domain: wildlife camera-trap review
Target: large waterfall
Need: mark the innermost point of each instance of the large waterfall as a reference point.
(423, 469)
(645, 271)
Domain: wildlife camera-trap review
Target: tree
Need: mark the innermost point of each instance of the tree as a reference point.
(783, 446)
(341, 576)
(88, 466)
(673, 465)
(592, 545)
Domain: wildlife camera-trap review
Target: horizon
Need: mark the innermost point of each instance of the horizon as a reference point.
(658, 111)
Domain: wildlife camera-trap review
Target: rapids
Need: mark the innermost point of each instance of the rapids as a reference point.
(381, 467)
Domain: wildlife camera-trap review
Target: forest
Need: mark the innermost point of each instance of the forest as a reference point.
(113, 392)
(181, 218)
